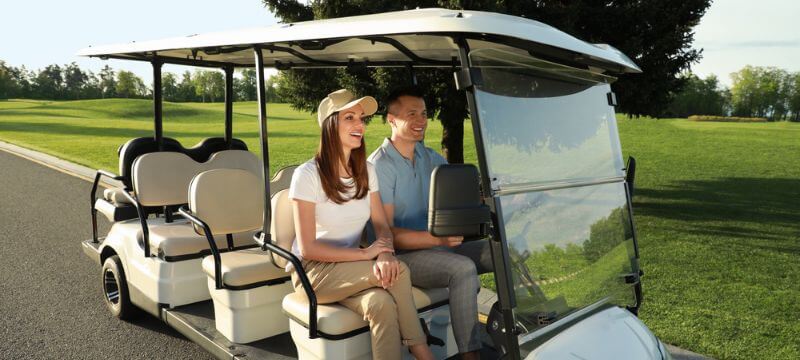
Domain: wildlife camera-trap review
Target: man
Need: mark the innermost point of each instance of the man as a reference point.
(404, 167)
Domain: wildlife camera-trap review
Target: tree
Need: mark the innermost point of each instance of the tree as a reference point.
(8, 85)
(209, 85)
(699, 97)
(656, 34)
(794, 97)
(245, 87)
(169, 87)
(91, 89)
(129, 85)
(761, 92)
(74, 81)
(108, 82)
(48, 83)
(186, 90)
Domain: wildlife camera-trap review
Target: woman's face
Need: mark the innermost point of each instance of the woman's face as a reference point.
(352, 127)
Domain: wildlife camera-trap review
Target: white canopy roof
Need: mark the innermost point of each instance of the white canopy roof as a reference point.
(423, 37)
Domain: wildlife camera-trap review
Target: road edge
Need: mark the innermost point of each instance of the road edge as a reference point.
(58, 164)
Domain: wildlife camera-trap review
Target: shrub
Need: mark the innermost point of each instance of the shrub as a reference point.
(726, 118)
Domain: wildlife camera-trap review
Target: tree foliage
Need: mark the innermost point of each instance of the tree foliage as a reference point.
(700, 97)
(70, 82)
(656, 34)
(763, 92)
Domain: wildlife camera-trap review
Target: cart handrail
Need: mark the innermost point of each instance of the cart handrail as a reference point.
(266, 244)
(93, 196)
(187, 213)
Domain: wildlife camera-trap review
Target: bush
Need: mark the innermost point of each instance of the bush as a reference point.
(726, 118)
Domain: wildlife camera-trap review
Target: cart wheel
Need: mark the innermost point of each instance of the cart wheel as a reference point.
(115, 289)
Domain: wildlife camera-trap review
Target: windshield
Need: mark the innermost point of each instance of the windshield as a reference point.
(553, 154)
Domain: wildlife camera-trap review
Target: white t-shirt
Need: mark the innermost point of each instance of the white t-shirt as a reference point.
(337, 225)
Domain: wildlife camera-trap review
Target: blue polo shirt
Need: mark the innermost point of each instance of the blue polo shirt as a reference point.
(406, 184)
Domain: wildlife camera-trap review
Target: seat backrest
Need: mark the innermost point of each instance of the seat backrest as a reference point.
(282, 224)
(454, 206)
(162, 178)
(228, 200)
(132, 149)
(282, 179)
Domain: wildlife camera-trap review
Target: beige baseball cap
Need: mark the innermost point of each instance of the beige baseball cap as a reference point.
(343, 99)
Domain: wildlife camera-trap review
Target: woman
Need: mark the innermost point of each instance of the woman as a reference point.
(333, 195)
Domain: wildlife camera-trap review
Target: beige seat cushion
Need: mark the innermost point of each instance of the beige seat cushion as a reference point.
(115, 196)
(162, 178)
(179, 238)
(244, 267)
(335, 319)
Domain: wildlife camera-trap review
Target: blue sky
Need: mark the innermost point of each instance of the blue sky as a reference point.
(37, 33)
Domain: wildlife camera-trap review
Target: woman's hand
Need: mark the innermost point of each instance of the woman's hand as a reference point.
(386, 269)
(377, 248)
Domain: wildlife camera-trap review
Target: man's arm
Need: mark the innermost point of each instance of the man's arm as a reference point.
(407, 239)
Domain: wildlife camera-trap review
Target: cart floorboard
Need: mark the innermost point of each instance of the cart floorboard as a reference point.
(196, 322)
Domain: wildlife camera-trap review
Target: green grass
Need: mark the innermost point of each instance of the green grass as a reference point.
(717, 205)
(88, 132)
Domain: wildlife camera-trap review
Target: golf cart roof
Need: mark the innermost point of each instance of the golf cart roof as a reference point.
(422, 37)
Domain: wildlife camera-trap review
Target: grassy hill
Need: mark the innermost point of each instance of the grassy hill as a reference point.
(717, 205)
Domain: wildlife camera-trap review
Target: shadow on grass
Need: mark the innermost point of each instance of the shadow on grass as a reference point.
(760, 212)
(95, 131)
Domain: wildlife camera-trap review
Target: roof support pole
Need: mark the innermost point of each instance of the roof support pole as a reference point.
(228, 105)
(157, 105)
(413, 74)
(262, 120)
(498, 246)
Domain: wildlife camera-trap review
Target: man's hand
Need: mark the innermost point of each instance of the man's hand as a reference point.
(386, 269)
(450, 241)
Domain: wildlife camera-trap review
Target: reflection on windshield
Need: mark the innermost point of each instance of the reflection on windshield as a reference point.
(569, 248)
(537, 140)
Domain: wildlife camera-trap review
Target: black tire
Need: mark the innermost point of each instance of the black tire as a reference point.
(115, 289)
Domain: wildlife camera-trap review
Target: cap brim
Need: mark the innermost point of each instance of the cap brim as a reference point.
(368, 104)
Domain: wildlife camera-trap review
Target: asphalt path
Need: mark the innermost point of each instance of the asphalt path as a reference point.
(51, 304)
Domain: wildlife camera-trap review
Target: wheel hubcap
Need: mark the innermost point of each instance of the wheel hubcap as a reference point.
(110, 287)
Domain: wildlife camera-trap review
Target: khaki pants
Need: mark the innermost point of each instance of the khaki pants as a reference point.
(391, 313)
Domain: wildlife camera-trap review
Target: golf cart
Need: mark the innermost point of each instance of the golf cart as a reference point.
(200, 235)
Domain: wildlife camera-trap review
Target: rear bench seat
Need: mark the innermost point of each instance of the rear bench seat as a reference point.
(115, 206)
(162, 179)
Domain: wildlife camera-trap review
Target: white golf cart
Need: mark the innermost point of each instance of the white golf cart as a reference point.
(550, 193)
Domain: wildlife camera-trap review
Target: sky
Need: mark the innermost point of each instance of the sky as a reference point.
(36, 33)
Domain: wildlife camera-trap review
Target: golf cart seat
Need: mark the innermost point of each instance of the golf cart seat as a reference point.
(246, 288)
(337, 321)
(115, 206)
(163, 178)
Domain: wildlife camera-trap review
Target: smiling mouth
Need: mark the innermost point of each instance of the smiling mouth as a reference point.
(356, 134)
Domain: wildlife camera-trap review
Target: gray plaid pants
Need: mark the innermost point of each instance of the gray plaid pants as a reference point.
(456, 269)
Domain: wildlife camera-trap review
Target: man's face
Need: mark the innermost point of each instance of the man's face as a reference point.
(408, 118)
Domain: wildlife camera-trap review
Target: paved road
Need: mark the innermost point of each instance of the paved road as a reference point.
(50, 299)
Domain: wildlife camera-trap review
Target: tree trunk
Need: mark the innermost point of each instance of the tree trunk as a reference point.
(452, 114)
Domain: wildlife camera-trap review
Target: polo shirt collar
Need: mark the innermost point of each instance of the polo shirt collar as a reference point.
(419, 150)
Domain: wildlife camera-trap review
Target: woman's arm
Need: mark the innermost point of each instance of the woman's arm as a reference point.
(380, 223)
(387, 267)
(310, 249)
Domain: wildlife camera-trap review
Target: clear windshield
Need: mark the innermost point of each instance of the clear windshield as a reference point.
(553, 154)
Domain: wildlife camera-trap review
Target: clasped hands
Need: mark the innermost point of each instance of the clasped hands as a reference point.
(386, 267)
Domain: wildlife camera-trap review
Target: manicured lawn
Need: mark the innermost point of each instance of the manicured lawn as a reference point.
(717, 205)
(89, 132)
(717, 209)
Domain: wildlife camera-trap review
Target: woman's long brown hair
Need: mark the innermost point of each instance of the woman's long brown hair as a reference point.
(330, 155)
